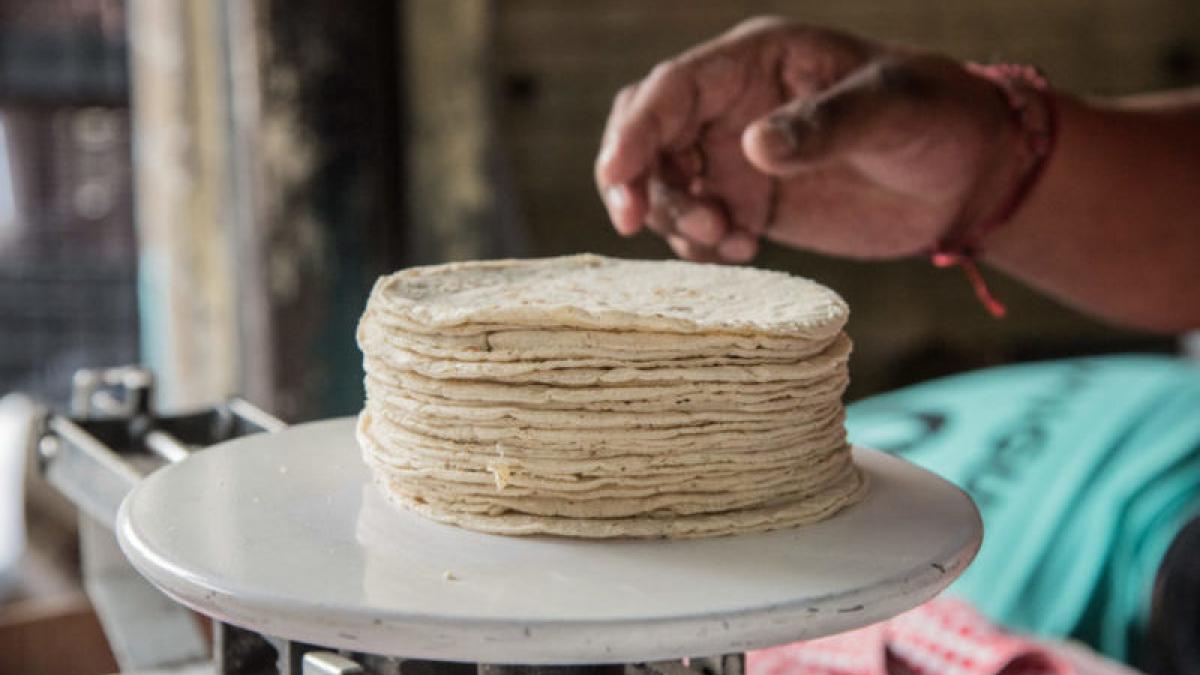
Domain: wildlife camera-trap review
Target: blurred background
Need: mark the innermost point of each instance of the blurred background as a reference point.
(209, 187)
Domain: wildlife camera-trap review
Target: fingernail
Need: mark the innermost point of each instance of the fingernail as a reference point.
(779, 137)
(682, 247)
(606, 153)
(700, 227)
(737, 248)
(616, 198)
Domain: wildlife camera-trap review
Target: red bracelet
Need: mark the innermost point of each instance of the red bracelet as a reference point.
(1039, 131)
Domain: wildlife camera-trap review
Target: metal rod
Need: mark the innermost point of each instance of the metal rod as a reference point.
(255, 415)
(167, 446)
(72, 433)
(88, 472)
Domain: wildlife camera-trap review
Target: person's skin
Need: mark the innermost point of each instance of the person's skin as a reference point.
(820, 140)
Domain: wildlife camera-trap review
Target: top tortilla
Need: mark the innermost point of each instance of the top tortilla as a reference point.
(594, 292)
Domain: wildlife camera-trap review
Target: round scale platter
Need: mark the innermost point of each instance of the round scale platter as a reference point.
(286, 534)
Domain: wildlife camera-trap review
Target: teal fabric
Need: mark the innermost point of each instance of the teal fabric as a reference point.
(1083, 470)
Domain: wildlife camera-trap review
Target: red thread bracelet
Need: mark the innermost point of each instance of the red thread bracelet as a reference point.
(962, 245)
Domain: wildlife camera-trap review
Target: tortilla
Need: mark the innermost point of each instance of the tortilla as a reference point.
(593, 397)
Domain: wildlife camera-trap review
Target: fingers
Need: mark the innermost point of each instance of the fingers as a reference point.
(874, 109)
(653, 117)
(674, 213)
(625, 201)
(695, 228)
(626, 207)
(633, 139)
(667, 109)
(680, 95)
(715, 86)
(738, 247)
(665, 113)
(690, 250)
(703, 225)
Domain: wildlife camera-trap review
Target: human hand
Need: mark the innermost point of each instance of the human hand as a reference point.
(809, 137)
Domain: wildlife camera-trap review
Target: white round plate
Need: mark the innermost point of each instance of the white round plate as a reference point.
(286, 534)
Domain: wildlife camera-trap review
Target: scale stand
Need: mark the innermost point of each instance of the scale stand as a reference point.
(109, 443)
(282, 539)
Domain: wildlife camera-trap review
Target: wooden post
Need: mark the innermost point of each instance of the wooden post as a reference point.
(458, 203)
(186, 292)
(268, 180)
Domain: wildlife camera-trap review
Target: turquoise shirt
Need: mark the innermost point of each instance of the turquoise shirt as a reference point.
(1083, 470)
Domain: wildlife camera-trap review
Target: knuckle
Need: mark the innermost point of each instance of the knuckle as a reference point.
(903, 80)
(624, 96)
(761, 24)
(598, 175)
(662, 71)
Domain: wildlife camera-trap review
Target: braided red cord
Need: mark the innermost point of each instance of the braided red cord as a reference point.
(961, 247)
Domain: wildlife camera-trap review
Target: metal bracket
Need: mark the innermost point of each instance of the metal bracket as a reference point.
(111, 440)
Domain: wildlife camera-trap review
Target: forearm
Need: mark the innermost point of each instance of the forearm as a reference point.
(1114, 224)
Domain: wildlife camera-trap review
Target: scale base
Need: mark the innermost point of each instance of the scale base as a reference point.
(286, 534)
(243, 652)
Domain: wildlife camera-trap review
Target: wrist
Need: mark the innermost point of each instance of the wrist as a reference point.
(1023, 150)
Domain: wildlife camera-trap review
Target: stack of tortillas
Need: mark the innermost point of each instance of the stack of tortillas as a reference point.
(594, 397)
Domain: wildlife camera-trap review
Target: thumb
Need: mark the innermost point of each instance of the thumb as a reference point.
(875, 108)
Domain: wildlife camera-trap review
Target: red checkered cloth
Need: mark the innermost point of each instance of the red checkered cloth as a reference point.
(942, 637)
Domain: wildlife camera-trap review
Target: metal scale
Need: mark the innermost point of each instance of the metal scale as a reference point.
(280, 537)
